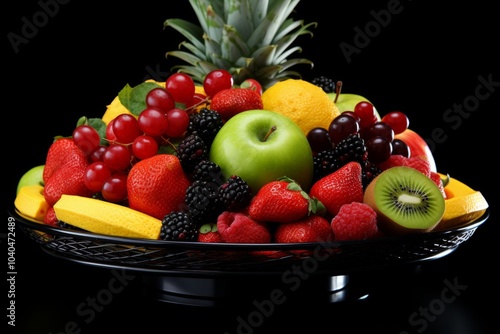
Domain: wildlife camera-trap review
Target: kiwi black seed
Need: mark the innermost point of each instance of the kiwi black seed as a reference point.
(405, 200)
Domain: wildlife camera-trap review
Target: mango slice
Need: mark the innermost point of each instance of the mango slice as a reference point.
(463, 205)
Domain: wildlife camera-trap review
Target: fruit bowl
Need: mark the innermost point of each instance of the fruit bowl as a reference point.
(196, 258)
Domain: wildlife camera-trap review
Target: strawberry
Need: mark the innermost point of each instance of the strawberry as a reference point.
(314, 228)
(231, 101)
(340, 187)
(157, 185)
(64, 171)
(282, 201)
(63, 152)
(209, 233)
(237, 227)
(68, 181)
(50, 217)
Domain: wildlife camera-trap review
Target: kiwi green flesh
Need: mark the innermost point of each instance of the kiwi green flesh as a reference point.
(406, 197)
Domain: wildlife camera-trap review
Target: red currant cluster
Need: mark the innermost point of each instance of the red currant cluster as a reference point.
(129, 139)
(378, 135)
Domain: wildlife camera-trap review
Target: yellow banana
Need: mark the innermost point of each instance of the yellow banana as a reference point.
(107, 218)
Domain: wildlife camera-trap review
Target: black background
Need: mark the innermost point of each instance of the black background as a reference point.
(422, 61)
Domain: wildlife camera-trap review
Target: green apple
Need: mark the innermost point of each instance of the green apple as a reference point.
(347, 102)
(32, 176)
(261, 146)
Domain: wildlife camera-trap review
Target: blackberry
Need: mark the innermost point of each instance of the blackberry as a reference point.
(206, 123)
(207, 170)
(325, 83)
(178, 226)
(203, 201)
(352, 148)
(235, 193)
(190, 151)
(368, 172)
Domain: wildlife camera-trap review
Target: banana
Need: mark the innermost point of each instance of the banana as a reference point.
(107, 218)
(31, 202)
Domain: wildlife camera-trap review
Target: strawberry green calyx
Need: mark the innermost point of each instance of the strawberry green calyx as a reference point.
(314, 205)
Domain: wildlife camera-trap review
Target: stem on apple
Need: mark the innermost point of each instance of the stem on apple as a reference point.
(271, 130)
(338, 89)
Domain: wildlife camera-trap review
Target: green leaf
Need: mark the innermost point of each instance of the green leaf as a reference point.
(100, 126)
(134, 98)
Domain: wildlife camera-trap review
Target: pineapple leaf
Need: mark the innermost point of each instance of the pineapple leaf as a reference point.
(239, 15)
(194, 50)
(265, 55)
(276, 18)
(232, 45)
(283, 57)
(189, 30)
(183, 55)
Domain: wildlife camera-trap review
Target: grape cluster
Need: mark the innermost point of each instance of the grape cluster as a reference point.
(172, 114)
(377, 136)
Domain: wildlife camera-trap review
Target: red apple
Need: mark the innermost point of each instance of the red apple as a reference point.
(418, 146)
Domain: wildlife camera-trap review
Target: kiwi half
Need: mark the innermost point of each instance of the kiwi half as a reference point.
(405, 200)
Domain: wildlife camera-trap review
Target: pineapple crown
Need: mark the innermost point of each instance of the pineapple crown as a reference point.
(250, 39)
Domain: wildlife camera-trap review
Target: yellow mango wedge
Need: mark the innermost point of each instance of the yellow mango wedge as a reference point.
(107, 218)
(31, 203)
(463, 205)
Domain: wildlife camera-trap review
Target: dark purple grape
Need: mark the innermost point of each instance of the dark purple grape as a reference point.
(400, 147)
(342, 126)
(319, 140)
(379, 149)
(379, 129)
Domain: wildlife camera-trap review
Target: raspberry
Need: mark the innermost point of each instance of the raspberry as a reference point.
(239, 228)
(394, 160)
(419, 163)
(355, 221)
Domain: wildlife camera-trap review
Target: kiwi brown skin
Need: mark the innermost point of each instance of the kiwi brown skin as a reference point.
(391, 223)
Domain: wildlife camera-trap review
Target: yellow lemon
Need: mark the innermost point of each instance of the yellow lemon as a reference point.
(302, 101)
(114, 109)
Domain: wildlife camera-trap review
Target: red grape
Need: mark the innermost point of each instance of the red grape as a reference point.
(401, 148)
(342, 126)
(95, 175)
(178, 122)
(86, 138)
(379, 129)
(125, 128)
(366, 113)
(114, 188)
(319, 140)
(379, 149)
(181, 87)
(397, 120)
(144, 147)
(216, 81)
(117, 157)
(153, 121)
(160, 98)
(110, 135)
(97, 154)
